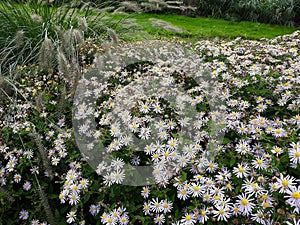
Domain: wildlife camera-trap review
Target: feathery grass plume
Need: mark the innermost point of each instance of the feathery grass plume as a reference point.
(61, 105)
(165, 25)
(106, 45)
(46, 54)
(150, 7)
(76, 78)
(132, 6)
(7, 195)
(19, 39)
(59, 32)
(45, 203)
(180, 6)
(159, 2)
(45, 2)
(120, 10)
(67, 44)
(154, 5)
(85, 6)
(104, 9)
(43, 154)
(113, 35)
(36, 18)
(82, 24)
(99, 61)
(68, 62)
(6, 90)
(64, 66)
(78, 37)
(39, 102)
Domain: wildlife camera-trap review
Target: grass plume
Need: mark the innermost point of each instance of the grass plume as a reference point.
(40, 147)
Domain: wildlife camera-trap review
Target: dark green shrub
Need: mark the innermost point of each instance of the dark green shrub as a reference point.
(265, 11)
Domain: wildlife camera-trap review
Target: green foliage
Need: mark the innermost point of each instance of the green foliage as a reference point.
(265, 11)
(26, 26)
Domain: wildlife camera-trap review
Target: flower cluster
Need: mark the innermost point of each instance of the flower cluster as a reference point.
(215, 132)
(255, 85)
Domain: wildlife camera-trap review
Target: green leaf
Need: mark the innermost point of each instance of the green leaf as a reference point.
(226, 141)
(86, 197)
(232, 161)
(57, 214)
(52, 196)
(183, 176)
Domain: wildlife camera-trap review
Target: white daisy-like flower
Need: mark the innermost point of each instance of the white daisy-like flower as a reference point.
(294, 153)
(222, 212)
(245, 204)
(188, 219)
(277, 150)
(293, 196)
(156, 205)
(242, 170)
(285, 183)
(71, 216)
(159, 219)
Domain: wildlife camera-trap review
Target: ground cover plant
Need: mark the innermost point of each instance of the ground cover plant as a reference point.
(218, 121)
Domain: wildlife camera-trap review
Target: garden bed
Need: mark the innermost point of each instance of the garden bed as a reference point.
(237, 162)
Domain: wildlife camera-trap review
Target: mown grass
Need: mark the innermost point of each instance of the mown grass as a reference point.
(207, 28)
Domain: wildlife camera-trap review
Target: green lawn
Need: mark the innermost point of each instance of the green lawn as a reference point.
(196, 28)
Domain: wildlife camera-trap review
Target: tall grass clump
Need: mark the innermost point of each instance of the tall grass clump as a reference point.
(26, 26)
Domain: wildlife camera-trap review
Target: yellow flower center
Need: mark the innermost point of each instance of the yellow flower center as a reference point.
(278, 131)
(244, 201)
(296, 195)
(264, 197)
(297, 154)
(241, 169)
(285, 183)
(265, 205)
(188, 218)
(259, 161)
